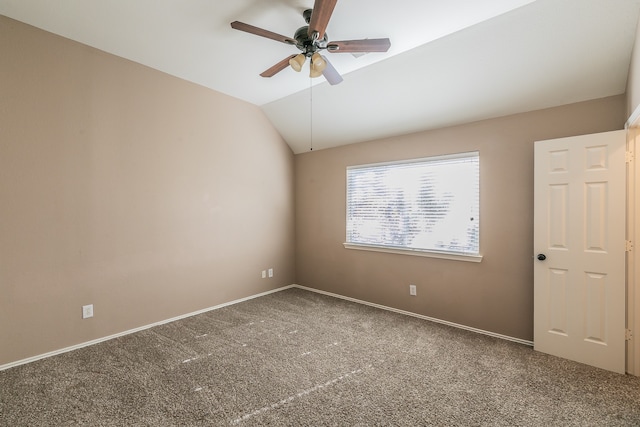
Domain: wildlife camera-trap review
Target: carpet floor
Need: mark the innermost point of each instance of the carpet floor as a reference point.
(298, 358)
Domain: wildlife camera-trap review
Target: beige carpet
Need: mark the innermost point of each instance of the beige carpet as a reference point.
(297, 358)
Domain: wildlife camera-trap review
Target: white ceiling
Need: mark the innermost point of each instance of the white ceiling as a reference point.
(450, 62)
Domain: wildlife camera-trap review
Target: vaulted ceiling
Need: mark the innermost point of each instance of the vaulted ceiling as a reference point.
(450, 62)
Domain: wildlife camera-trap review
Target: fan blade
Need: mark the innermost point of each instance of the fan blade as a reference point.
(322, 10)
(366, 45)
(330, 73)
(237, 25)
(278, 67)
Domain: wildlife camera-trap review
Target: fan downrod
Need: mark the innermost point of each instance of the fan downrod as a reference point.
(307, 15)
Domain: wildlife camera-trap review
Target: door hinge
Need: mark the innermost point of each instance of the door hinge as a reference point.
(628, 156)
(628, 245)
(628, 335)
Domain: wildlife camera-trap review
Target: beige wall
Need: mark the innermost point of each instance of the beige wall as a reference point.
(126, 188)
(495, 295)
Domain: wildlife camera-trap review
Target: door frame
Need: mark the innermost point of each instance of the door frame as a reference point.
(633, 235)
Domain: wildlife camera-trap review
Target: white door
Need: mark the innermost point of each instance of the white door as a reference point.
(579, 249)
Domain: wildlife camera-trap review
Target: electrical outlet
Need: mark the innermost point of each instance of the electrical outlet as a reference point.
(264, 274)
(87, 311)
(271, 272)
(412, 290)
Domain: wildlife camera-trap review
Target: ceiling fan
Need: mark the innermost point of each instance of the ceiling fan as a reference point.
(311, 39)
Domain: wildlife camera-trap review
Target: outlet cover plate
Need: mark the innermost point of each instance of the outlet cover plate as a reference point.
(87, 311)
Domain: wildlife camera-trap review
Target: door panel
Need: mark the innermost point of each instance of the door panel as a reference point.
(579, 288)
(557, 290)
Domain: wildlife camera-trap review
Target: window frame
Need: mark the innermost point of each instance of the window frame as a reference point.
(431, 253)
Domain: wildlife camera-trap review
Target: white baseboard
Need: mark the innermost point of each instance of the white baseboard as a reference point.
(420, 316)
(173, 319)
(131, 331)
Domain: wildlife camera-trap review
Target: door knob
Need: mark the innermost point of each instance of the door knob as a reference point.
(542, 257)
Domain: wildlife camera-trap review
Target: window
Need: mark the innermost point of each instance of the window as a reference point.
(424, 206)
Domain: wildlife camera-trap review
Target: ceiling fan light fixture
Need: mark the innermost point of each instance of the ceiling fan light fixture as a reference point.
(318, 62)
(314, 72)
(297, 62)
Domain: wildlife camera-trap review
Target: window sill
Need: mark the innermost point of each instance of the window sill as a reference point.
(415, 252)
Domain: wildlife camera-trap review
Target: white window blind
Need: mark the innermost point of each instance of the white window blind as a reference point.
(427, 204)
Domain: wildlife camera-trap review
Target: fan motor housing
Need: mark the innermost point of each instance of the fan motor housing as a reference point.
(306, 44)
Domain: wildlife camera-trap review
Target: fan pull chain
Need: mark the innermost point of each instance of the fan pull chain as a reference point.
(311, 113)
